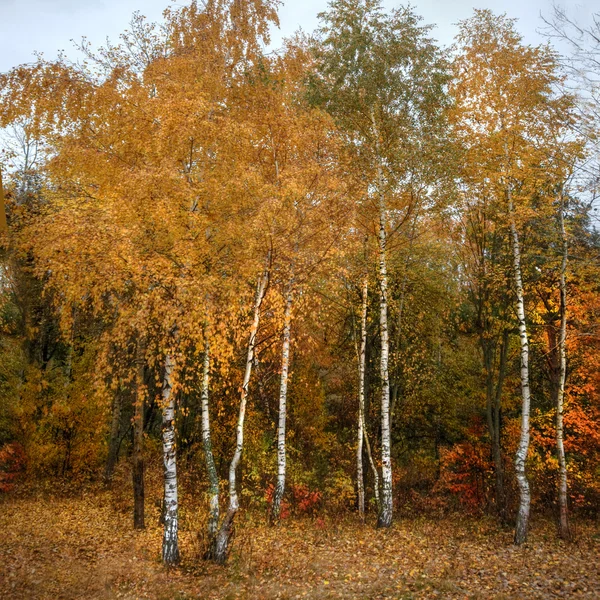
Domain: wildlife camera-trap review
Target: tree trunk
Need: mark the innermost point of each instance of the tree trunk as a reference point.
(563, 527)
(114, 441)
(373, 468)
(521, 456)
(493, 403)
(170, 547)
(361, 400)
(3, 224)
(226, 529)
(138, 438)
(386, 512)
(213, 477)
(285, 361)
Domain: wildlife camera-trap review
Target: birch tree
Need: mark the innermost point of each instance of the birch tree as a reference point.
(361, 400)
(213, 476)
(226, 527)
(381, 78)
(564, 529)
(285, 363)
(507, 114)
(3, 224)
(170, 547)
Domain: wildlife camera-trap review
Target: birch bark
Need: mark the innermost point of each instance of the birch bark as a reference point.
(386, 512)
(170, 547)
(523, 448)
(213, 477)
(224, 534)
(285, 362)
(361, 400)
(3, 224)
(564, 529)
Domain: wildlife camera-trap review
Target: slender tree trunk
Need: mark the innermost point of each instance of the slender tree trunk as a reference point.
(114, 441)
(138, 437)
(361, 399)
(386, 513)
(3, 224)
(362, 425)
(170, 547)
(521, 456)
(213, 476)
(261, 388)
(385, 517)
(564, 529)
(225, 531)
(374, 469)
(493, 401)
(285, 361)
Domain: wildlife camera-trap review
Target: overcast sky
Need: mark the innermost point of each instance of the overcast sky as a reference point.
(47, 26)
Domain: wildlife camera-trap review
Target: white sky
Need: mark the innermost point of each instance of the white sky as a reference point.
(47, 26)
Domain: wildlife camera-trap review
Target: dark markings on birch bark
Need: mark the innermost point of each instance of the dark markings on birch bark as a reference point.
(285, 363)
(564, 529)
(386, 512)
(170, 547)
(523, 448)
(213, 477)
(361, 399)
(225, 532)
(3, 224)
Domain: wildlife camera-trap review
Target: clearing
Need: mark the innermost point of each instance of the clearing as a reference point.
(83, 546)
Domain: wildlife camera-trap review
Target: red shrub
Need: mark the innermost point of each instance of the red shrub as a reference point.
(12, 462)
(303, 501)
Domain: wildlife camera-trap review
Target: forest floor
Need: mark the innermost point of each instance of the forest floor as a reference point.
(83, 546)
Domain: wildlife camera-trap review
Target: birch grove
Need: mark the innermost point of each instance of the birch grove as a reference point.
(523, 116)
(262, 201)
(369, 98)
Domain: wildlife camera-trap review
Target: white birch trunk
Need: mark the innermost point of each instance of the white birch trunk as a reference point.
(386, 512)
(285, 362)
(373, 468)
(224, 534)
(564, 529)
(170, 547)
(3, 224)
(521, 456)
(361, 400)
(213, 477)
